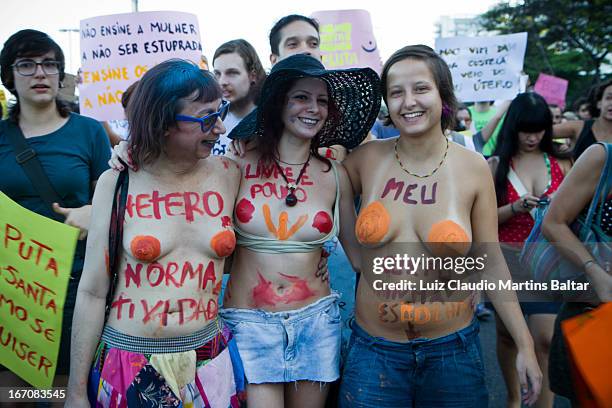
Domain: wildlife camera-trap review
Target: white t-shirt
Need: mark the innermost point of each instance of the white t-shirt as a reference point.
(230, 122)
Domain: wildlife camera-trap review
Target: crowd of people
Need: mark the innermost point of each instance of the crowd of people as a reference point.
(201, 276)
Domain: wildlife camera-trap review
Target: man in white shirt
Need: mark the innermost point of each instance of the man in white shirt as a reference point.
(240, 74)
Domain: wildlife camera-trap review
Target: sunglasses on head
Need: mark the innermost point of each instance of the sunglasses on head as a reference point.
(207, 122)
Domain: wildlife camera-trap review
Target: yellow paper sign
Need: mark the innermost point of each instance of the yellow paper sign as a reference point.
(3, 104)
(35, 262)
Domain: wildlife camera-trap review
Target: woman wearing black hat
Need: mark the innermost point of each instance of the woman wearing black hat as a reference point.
(291, 200)
(430, 199)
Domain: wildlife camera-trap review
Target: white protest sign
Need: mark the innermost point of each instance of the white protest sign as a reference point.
(117, 50)
(484, 68)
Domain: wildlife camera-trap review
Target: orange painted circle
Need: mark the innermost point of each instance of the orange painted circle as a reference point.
(145, 248)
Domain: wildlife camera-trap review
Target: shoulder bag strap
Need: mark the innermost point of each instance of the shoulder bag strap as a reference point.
(602, 189)
(115, 236)
(26, 158)
(519, 187)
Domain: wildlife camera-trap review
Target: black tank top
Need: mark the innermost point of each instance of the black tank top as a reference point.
(585, 139)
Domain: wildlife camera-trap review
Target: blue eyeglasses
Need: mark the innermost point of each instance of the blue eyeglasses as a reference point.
(207, 122)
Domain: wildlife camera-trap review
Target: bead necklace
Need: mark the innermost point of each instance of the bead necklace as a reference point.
(419, 175)
(291, 199)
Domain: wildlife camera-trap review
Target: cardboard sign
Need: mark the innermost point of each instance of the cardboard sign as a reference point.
(35, 263)
(552, 88)
(484, 68)
(347, 40)
(117, 50)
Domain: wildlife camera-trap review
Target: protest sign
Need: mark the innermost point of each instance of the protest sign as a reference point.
(347, 40)
(552, 88)
(484, 68)
(35, 263)
(117, 50)
(3, 104)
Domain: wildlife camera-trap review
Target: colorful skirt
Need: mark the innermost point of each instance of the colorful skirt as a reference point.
(199, 370)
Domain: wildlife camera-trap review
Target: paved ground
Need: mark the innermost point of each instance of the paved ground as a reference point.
(495, 382)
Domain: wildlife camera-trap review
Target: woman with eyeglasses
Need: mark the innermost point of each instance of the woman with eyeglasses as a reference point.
(162, 343)
(73, 151)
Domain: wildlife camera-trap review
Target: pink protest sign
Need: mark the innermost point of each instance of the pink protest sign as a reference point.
(117, 50)
(552, 88)
(347, 39)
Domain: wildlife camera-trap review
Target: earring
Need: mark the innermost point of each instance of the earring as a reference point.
(61, 84)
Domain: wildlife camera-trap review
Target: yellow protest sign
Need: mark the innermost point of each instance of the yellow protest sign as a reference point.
(35, 262)
(3, 104)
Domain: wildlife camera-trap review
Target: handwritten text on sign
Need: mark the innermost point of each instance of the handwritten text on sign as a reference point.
(484, 68)
(347, 40)
(35, 262)
(117, 50)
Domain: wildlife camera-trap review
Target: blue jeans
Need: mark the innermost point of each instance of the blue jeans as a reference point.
(443, 372)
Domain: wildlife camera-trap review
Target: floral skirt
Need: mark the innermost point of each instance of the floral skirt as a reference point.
(199, 370)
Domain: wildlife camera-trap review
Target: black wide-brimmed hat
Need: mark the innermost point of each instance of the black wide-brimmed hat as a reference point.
(355, 93)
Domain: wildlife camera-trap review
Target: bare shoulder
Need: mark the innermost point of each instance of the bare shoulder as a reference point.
(593, 158)
(372, 149)
(225, 165)
(469, 160)
(107, 181)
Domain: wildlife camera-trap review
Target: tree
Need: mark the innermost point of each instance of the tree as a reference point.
(568, 39)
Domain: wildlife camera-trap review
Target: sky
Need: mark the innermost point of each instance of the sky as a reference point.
(396, 23)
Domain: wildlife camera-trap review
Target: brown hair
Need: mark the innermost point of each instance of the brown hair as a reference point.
(441, 75)
(160, 95)
(273, 126)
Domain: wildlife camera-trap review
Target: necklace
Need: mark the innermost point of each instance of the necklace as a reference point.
(291, 164)
(291, 199)
(419, 175)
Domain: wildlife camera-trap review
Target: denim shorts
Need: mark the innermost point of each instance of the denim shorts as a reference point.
(293, 345)
(444, 372)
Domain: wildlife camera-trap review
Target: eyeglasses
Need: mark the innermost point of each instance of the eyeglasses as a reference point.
(28, 67)
(207, 122)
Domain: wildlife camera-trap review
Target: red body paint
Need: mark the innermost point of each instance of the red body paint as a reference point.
(269, 190)
(265, 295)
(398, 187)
(187, 204)
(168, 275)
(323, 222)
(226, 221)
(188, 309)
(244, 211)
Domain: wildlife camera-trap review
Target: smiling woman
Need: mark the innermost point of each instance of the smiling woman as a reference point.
(292, 200)
(162, 327)
(455, 213)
